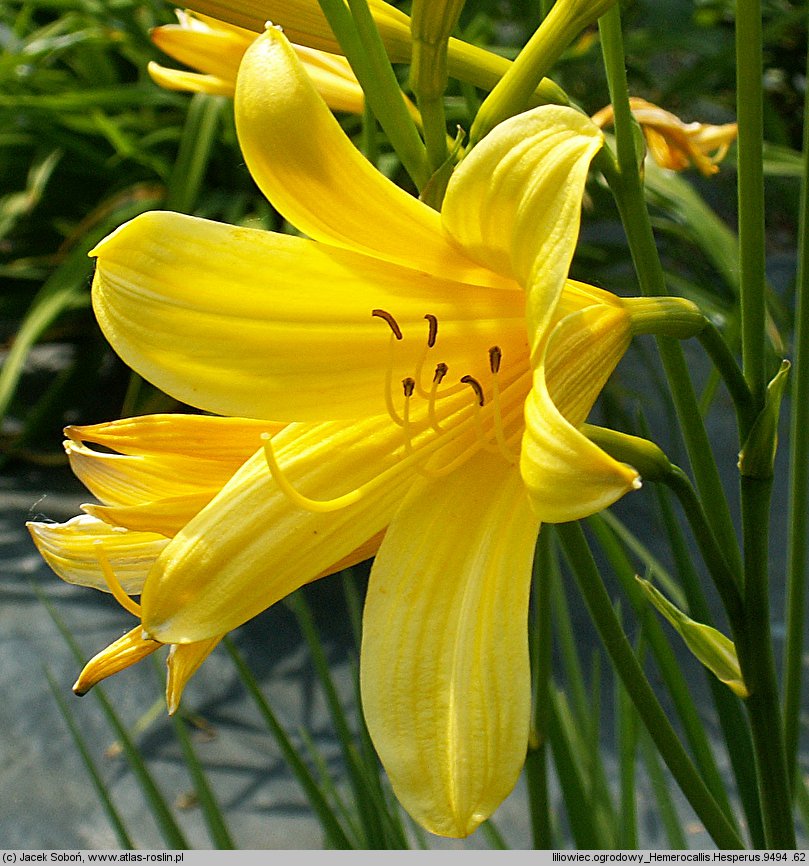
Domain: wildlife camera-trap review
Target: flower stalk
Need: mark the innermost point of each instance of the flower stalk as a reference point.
(798, 478)
(512, 94)
(627, 187)
(360, 40)
(646, 703)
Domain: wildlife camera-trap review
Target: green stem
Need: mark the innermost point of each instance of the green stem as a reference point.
(754, 646)
(727, 581)
(798, 478)
(434, 122)
(362, 45)
(751, 193)
(725, 363)
(626, 185)
(536, 762)
(629, 670)
(734, 725)
(670, 670)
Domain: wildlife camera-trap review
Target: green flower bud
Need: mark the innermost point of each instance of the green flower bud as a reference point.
(758, 452)
(709, 646)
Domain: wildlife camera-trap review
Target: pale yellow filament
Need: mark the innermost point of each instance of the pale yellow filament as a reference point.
(113, 583)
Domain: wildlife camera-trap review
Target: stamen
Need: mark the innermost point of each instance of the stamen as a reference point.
(389, 384)
(394, 325)
(408, 385)
(495, 357)
(438, 377)
(433, 334)
(113, 583)
(476, 387)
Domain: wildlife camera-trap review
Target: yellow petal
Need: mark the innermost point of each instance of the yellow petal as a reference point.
(251, 546)
(252, 323)
(165, 516)
(71, 550)
(567, 476)
(191, 82)
(304, 22)
(444, 663)
(121, 654)
(183, 662)
(119, 479)
(311, 172)
(514, 204)
(333, 79)
(206, 437)
(215, 50)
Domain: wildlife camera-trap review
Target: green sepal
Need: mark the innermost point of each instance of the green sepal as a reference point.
(671, 317)
(757, 456)
(709, 646)
(641, 454)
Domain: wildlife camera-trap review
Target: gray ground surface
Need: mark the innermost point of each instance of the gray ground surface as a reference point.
(47, 799)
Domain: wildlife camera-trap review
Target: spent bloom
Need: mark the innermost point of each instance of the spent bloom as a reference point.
(673, 143)
(425, 377)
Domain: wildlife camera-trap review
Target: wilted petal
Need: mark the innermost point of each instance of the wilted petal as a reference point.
(444, 663)
(567, 476)
(280, 327)
(71, 549)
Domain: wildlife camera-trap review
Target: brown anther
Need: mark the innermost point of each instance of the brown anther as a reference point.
(394, 325)
(475, 385)
(440, 372)
(495, 356)
(433, 333)
(408, 385)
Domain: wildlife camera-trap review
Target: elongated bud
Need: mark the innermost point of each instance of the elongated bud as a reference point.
(758, 452)
(431, 23)
(644, 456)
(671, 317)
(512, 94)
(709, 646)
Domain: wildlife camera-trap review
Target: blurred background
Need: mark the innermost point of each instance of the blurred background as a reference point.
(87, 141)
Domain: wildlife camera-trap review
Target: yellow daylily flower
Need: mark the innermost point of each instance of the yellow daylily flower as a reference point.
(215, 48)
(307, 331)
(500, 357)
(674, 144)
